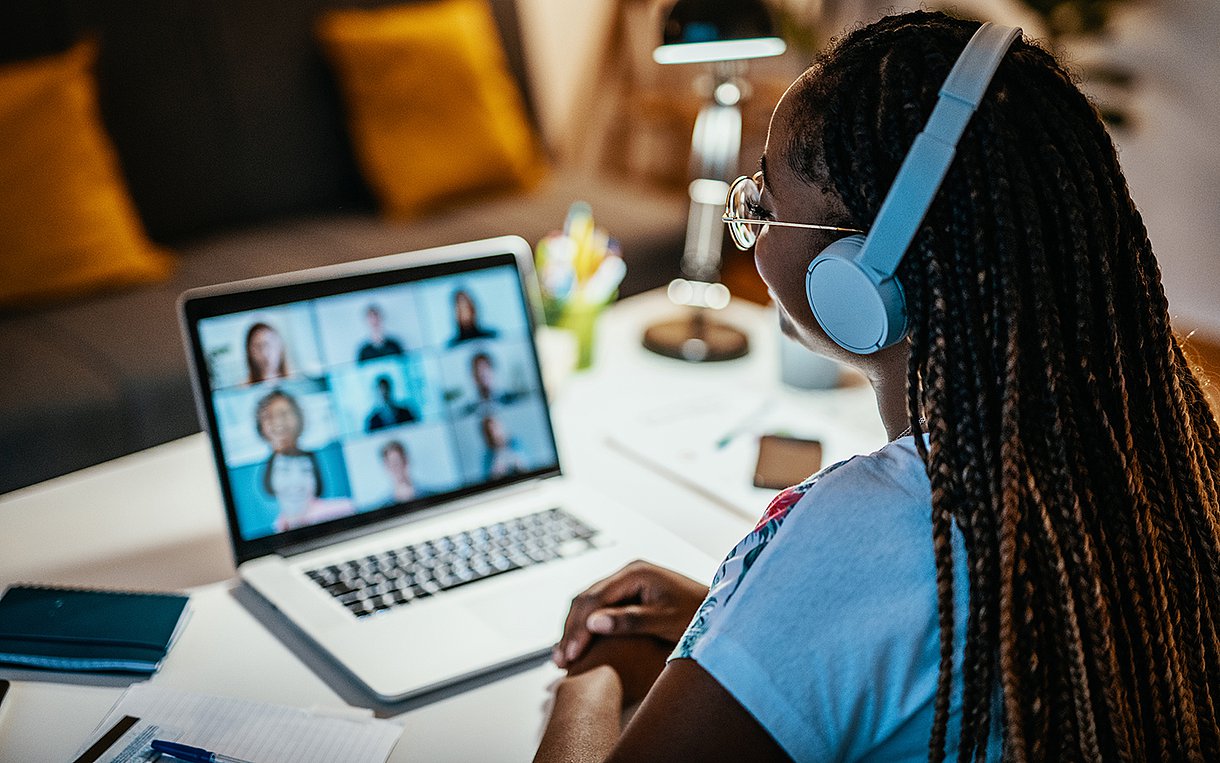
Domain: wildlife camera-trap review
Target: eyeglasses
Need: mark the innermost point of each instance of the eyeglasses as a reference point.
(741, 212)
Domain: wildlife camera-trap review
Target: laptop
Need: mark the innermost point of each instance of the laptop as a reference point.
(388, 465)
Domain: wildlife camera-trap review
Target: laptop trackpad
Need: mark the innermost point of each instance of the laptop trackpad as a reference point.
(535, 613)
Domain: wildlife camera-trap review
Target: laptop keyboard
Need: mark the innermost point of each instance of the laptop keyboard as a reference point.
(400, 576)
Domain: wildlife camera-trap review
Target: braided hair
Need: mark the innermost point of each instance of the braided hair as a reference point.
(1069, 438)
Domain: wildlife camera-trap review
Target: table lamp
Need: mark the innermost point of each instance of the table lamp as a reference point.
(723, 33)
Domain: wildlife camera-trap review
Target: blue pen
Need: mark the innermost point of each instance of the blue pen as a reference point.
(192, 754)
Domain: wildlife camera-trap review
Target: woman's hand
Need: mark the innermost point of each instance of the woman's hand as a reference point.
(636, 660)
(641, 599)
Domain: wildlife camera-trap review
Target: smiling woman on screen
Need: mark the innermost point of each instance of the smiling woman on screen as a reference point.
(292, 476)
(266, 354)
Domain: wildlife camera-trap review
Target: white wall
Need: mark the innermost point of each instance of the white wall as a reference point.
(1172, 158)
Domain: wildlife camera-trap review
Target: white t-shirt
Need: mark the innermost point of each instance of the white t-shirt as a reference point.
(822, 622)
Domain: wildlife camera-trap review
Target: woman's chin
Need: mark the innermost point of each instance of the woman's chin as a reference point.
(785, 323)
(813, 340)
(789, 327)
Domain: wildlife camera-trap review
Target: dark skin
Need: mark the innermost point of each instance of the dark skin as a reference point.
(639, 599)
(683, 713)
(782, 256)
(619, 632)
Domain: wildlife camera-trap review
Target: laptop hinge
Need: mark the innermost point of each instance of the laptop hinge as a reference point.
(334, 539)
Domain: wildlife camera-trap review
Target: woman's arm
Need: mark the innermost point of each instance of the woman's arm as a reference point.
(683, 713)
(584, 725)
(686, 716)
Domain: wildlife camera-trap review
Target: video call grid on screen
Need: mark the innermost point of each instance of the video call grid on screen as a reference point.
(326, 408)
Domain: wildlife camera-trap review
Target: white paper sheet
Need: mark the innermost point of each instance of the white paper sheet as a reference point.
(710, 442)
(255, 731)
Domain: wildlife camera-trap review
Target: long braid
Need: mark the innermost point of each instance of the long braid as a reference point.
(1136, 639)
(972, 378)
(1096, 219)
(1046, 459)
(1080, 511)
(1070, 442)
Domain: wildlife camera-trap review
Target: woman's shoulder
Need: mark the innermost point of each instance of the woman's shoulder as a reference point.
(891, 480)
(831, 607)
(855, 524)
(893, 472)
(871, 511)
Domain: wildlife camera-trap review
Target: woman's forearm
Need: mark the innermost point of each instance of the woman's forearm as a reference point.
(585, 723)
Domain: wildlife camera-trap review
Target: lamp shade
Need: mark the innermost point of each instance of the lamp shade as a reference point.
(701, 31)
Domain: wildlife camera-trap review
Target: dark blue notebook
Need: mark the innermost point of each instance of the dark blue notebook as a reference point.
(88, 630)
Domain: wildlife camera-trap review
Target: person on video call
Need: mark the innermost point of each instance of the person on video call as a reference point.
(398, 468)
(466, 316)
(266, 355)
(488, 395)
(503, 456)
(295, 482)
(279, 421)
(378, 345)
(387, 411)
(1030, 569)
(292, 476)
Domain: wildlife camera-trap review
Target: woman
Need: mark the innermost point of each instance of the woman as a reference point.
(279, 421)
(398, 468)
(1032, 566)
(294, 480)
(292, 476)
(466, 320)
(503, 455)
(266, 357)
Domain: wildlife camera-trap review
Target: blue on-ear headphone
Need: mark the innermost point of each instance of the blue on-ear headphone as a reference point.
(852, 285)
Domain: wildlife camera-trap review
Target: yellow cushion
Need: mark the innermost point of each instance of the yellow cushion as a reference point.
(67, 224)
(433, 112)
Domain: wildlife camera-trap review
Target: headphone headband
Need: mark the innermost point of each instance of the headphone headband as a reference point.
(926, 164)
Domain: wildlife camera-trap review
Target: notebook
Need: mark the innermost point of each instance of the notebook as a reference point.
(88, 630)
(391, 478)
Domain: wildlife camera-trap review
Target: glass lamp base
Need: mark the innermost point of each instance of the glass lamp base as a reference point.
(696, 338)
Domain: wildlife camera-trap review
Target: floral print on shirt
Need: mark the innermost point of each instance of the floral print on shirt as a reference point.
(739, 561)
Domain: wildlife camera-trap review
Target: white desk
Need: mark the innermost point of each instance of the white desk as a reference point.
(154, 520)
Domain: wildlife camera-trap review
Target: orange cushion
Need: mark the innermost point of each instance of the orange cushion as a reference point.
(433, 112)
(67, 224)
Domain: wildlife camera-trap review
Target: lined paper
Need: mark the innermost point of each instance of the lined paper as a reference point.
(256, 731)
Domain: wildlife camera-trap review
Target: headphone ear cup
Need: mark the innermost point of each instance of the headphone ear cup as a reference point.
(859, 309)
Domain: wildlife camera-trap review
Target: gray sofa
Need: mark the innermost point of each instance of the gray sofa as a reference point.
(231, 137)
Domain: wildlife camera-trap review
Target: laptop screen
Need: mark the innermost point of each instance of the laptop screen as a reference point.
(344, 401)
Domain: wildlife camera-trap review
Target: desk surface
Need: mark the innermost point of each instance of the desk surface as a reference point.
(154, 520)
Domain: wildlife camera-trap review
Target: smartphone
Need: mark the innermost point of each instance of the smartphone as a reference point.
(784, 461)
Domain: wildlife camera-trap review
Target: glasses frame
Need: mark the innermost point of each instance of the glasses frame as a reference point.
(730, 218)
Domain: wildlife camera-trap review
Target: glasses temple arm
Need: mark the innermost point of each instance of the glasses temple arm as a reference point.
(751, 221)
